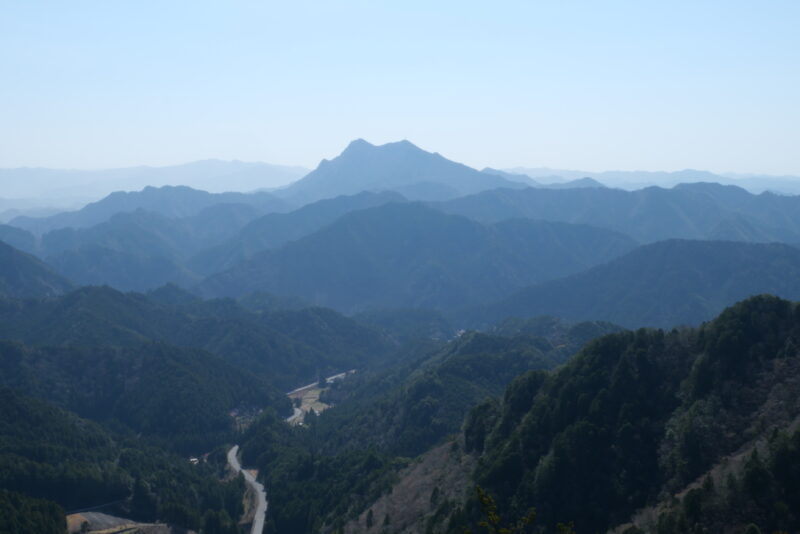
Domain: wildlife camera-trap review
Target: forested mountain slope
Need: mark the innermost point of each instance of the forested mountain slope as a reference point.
(687, 211)
(664, 284)
(276, 229)
(142, 250)
(639, 416)
(320, 474)
(169, 201)
(18, 238)
(182, 396)
(409, 255)
(412, 407)
(48, 455)
(24, 276)
(285, 348)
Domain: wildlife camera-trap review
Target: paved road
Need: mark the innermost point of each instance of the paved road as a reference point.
(261, 507)
(298, 414)
(329, 380)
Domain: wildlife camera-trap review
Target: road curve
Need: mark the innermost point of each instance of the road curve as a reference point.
(261, 507)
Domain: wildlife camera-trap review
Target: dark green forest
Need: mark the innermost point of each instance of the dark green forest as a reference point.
(562, 357)
(321, 475)
(639, 416)
(50, 455)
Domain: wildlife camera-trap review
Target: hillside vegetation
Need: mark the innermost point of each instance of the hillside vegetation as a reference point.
(409, 255)
(639, 416)
(665, 284)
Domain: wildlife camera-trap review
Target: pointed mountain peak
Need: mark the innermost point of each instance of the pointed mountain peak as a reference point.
(358, 145)
(398, 166)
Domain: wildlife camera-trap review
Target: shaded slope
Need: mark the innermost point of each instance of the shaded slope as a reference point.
(180, 395)
(18, 238)
(638, 416)
(141, 250)
(22, 275)
(276, 229)
(284, 348)
(408, 255)
(689, 211)
(408, 409)
(49, 453)
(664, 284)
(169, 201)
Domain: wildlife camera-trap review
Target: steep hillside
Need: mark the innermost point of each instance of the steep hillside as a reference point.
(49, 455)
(276, 229)
(639, 416)
(23, 276)
(179, 395)
(408, 255)
(664, 284)
(408, 409)
(141, 250)
(18, 238)
(332, 468)
(285, 348)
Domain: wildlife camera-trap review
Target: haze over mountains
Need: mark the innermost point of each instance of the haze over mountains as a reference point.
(690, 211)
(350, 235)
(61, 187)
(630, 180)
(483, 311)
(409, 255)
(400, 167)
(664, 284)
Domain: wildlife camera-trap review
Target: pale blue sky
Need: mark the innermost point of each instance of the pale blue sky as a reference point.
(595, 85)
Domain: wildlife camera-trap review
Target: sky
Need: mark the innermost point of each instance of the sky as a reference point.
(591, 85)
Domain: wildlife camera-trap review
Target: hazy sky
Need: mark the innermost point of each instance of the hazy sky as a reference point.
(595, 85)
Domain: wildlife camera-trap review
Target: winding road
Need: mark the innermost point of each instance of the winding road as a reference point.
(261, 494)
(258, 488)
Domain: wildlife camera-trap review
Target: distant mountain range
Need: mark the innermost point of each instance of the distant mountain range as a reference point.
(180, 201)
(545, 182)
(400, 167)
(216, 176)
(689, 211)
(630, 180)
(18, 238)
(456, 282)
(495, 233)
(24, 276)
(140, 250)
(663, 285)
(276, 229)
(409, 255)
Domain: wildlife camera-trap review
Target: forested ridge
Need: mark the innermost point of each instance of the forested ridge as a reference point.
(638, 416)
(180, 395)
(48, 453)
(484, 369)
(664, 284)
(327, 472)
(284, 347)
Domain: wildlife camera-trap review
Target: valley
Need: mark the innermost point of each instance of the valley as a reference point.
(623, 361)
(407, 267)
